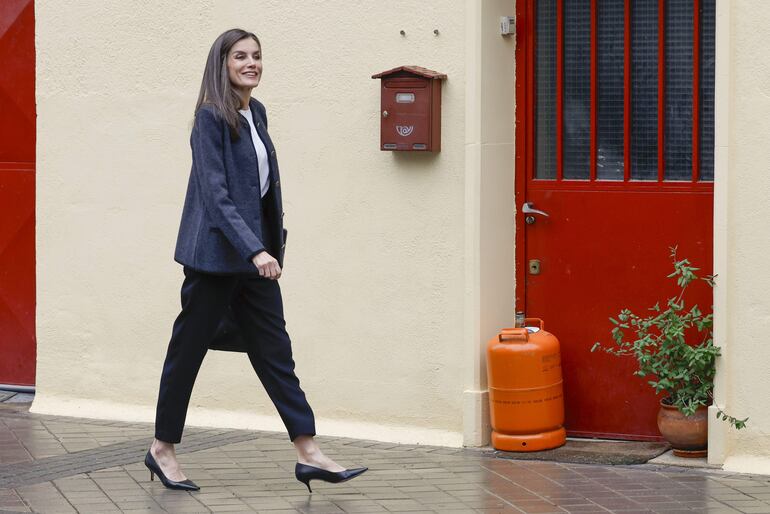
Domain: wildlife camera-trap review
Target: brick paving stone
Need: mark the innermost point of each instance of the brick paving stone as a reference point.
(584, 509)
(538, 507)
(363, 508)
(402, 505)
(11, 501)
(52, 464)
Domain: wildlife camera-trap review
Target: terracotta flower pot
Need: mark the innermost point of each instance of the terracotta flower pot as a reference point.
(687, 435)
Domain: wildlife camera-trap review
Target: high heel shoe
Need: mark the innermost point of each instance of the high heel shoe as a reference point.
(305, 474)
(184, 485)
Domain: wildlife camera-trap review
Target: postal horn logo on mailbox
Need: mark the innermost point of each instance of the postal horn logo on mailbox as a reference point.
(403, 130)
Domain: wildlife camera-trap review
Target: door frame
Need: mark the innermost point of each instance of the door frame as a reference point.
(18, 171)
(524, 159)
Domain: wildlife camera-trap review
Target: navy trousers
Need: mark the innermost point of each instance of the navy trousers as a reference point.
(258, 309)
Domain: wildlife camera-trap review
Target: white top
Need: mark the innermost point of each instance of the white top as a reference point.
(259, 147)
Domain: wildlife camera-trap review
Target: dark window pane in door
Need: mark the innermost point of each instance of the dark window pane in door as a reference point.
(644, 90)
(679, 75)
(610, 89)
(707, 31)
(545, 90)
(577, 88)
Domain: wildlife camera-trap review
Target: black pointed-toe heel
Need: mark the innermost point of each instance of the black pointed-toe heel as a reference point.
(305, 474)
(152, 465)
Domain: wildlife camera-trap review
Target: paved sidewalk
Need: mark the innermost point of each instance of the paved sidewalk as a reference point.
(54, 464)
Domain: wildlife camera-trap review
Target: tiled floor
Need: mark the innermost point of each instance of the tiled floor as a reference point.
(50, 464)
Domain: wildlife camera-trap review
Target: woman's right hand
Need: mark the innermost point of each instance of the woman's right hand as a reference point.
(267, 265)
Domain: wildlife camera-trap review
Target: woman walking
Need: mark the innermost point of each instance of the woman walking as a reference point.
(231, 243)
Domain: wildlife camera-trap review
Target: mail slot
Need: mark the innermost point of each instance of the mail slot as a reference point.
(410, 110)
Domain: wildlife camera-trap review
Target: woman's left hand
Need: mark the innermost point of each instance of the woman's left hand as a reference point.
(267, 265)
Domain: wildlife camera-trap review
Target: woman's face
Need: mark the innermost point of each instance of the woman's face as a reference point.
(244, 64)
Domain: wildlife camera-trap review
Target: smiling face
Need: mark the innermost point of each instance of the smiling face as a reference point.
(244, 64)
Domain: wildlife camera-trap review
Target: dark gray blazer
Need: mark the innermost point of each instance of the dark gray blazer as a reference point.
(221, 229)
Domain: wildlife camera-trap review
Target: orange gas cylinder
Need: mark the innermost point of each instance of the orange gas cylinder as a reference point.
(526, 398)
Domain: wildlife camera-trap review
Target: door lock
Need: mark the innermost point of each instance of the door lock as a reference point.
(529, 209)
(534, 266)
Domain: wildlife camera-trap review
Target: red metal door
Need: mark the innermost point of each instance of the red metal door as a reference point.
(17, 192)
(615, 144)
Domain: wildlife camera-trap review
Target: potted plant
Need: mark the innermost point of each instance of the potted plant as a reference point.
(674, 346)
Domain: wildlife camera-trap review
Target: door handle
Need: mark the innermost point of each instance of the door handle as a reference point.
(528, 208)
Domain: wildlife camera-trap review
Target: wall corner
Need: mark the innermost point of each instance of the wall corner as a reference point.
(476, 427)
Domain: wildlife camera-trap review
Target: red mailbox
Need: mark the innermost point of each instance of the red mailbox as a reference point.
(410, 117)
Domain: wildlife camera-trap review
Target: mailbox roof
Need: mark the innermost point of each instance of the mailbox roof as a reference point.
(417, 70)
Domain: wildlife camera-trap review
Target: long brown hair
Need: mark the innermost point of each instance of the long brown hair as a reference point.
(216, 89)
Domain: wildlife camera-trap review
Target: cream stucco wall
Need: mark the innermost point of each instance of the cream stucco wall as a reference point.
(742, 305)
(490, 210)
(390, 288)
